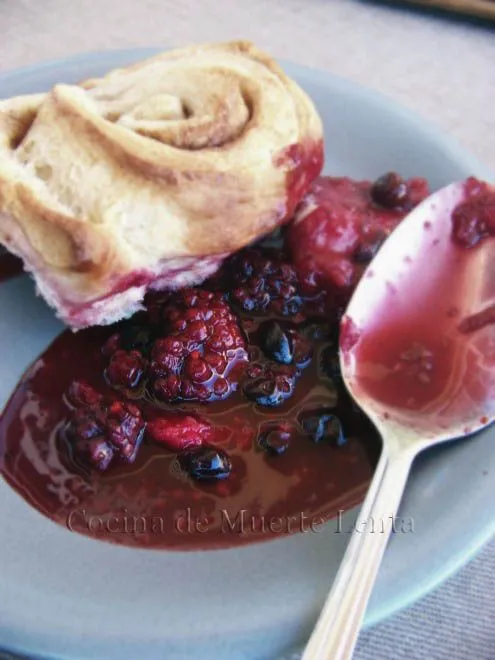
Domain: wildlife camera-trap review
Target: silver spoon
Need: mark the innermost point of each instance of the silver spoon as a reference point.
(418, 356)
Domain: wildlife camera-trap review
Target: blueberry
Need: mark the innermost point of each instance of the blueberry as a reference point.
(264, 391)
(206, 463)
(303, 349)
(275, 441)
(275, 343)
(269, 384)
(323, 425)
(292, 306)
(390, 191)
(271, 390)
(285, 346)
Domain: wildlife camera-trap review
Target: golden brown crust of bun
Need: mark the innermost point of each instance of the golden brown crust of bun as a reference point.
(179, 156)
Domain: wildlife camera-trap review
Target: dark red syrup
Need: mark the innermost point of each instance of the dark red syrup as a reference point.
(10, 266)
(272, 490)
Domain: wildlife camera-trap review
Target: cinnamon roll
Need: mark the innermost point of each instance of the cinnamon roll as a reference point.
(150, 176)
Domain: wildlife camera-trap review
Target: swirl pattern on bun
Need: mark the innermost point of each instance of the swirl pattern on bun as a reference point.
(151, 175)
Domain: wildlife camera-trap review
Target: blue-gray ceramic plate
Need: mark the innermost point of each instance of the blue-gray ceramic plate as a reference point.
(66, 596)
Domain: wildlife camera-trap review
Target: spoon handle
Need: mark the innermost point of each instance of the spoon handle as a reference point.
(337, 629)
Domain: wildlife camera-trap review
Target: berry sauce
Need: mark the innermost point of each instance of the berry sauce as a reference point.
(217, 417)
(341, 224)
(152, 502)
(10, 266)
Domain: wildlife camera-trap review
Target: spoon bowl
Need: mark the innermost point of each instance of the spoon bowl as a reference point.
(417, 353)
(405, 357)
